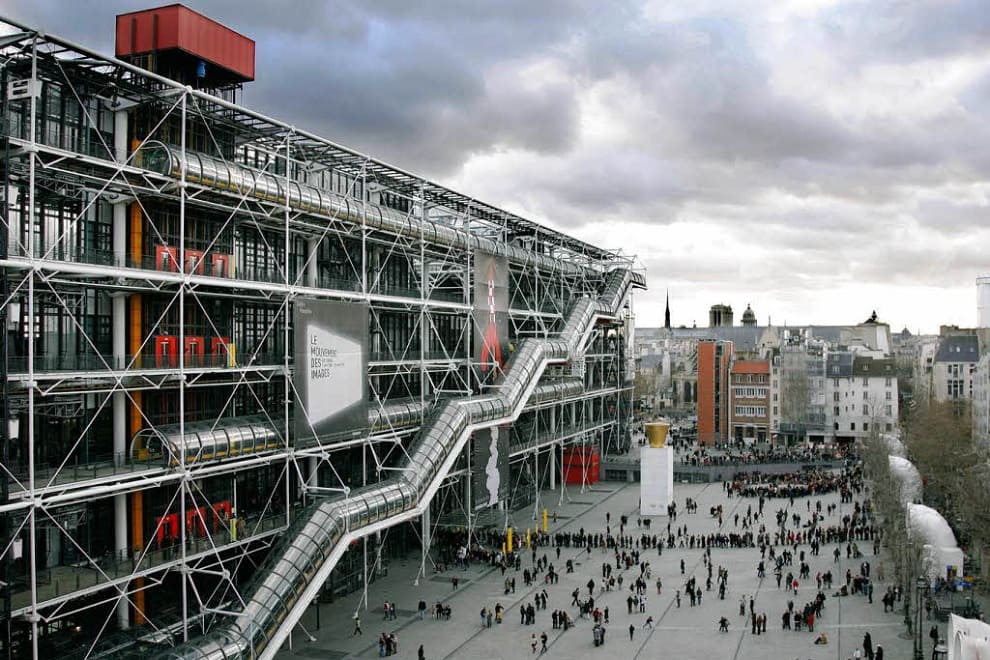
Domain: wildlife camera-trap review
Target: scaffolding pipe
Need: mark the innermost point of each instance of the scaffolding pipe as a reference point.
(231, 178)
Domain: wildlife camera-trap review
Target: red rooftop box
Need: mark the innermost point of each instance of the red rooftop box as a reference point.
(178, 28)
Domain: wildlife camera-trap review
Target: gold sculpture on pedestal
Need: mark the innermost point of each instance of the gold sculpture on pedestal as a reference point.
(656, 432)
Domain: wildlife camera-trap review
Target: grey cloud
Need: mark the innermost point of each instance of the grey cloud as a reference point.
(429, 85)
(895, 29)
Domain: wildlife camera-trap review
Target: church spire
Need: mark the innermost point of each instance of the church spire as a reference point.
(666, 314)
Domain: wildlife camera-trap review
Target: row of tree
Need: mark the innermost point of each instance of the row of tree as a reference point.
(955, 474)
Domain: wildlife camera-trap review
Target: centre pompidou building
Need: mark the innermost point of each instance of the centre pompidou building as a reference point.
(244, 366)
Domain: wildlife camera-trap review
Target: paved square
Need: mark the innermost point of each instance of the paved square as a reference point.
(684, 632)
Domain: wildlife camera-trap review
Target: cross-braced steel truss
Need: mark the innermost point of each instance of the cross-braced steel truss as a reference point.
(155, 242)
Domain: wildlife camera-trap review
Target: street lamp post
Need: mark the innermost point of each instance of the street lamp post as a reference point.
(920, 587)
(907, 570)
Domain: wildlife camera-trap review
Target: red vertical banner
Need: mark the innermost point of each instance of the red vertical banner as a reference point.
(491, 317)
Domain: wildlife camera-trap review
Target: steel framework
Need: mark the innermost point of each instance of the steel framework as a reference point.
(154, 242)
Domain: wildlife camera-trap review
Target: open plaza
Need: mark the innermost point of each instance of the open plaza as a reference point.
(683, 631)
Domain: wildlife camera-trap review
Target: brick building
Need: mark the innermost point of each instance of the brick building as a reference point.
(714, 359)
(749, 401)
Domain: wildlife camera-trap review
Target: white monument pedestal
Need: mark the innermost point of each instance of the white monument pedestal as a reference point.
(656, 480)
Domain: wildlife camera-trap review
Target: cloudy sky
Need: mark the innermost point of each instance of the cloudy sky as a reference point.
(817, 159)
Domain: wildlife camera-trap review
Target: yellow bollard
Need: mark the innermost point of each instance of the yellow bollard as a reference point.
(546, 520)
(527, 539)
(508, 539)
(503, 548)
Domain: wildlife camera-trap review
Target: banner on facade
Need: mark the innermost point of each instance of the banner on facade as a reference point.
(490, 466)
(491, 317)
(331, 366)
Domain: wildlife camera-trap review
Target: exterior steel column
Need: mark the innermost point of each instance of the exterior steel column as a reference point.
(184, 531)
(468, 502)
(120, 234)
(119, 333)
(536, 475)
(426, 543)
(553, 448)
(314, 472)
(120, 209)
(120, 535)
(312, 246)
(120, 538)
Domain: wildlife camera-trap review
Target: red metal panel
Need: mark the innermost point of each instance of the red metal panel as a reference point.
(194, 262)
(221, 265)
(216, 43)
(184, 29)
(166, 351)
(167, 258)
(136, 31)
(194, 350)
(581, 465)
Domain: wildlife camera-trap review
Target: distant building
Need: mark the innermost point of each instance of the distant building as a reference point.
(720, 316)
(749, 401)
(714, 357)
(749, 317)
(980, 409)
(862, 395)
(799, 404)
(798, 381)
(953, 367)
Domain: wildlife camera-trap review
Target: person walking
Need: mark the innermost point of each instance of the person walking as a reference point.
(543, 642)
(868, 646)
(421, 654)
(532, 643)
(357, 626)
(632, 631)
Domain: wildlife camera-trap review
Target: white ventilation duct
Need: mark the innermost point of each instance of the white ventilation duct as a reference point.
(908, 479)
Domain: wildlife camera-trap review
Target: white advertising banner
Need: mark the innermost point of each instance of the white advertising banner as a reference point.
(331, 350)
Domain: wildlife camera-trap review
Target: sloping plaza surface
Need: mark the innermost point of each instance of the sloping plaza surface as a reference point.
(678, 632)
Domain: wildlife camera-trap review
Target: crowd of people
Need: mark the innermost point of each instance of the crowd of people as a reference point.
(786, 542)
(730, 457)
(790, 484)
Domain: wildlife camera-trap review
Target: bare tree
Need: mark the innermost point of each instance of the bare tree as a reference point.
(889, 511)
(938, 436)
